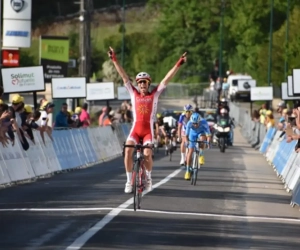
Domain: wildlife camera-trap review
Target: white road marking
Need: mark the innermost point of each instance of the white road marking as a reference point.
(229, 216)
(81, 240)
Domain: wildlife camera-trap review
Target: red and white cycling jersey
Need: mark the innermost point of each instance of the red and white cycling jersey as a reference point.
(144, 111)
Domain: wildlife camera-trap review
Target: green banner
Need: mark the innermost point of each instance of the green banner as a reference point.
(55, 48)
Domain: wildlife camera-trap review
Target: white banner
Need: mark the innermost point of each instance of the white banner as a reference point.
(16, 33)
(69, 87)
(25, 79)
(262, 94)
(123, 94)
(296, 82)
(284, 93)
(17, 9)
(100, 91)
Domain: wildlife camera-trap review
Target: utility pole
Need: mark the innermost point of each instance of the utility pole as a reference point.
(287, 39)
(269, 103)
(85, 40)
(221, 37)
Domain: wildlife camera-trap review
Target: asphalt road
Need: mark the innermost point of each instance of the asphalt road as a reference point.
(238, 203)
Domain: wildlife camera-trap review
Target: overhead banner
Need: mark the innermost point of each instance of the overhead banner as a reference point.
(16, 33)
(69, 87)
(100, 91)
(26, 79)
(54, 56)
(10, 58)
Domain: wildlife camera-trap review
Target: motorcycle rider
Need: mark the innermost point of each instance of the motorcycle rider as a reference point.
(223, 104)
(182, 122)
(224, 116)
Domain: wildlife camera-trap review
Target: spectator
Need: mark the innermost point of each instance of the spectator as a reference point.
(61, 120)
(103, 116)
(85, 116)
(75, 117)
(46, 108)
(225, 88)
(270, 122)
(255, 116)
(219, 87)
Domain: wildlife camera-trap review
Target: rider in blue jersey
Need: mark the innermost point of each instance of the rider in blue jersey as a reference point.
(182, 122)
(196, 129)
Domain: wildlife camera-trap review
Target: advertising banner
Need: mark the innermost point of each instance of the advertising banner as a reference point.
(262, 94)
(100, 91)
(27, 79)
(16, 33)
(17, 9)
(69, 87)
(10, 58)
(54, 56)
(123, 93)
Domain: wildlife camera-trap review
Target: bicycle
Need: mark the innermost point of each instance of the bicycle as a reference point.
(139, 178)
(196, 155)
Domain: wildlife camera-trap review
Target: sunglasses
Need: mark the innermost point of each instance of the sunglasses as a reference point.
(195, 123)
(143, 81)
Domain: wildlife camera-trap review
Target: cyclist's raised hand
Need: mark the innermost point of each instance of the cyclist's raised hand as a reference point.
(182, 59)
(111, 53)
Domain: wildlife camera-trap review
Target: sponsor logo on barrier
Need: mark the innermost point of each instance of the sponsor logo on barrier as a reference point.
(17, 5)
(23, 79)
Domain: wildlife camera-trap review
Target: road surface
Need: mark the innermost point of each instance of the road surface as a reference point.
(238, 203)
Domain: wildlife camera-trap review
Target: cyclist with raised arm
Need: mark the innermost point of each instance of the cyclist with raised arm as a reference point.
(144, 106)
(196, 129)
(182, 122)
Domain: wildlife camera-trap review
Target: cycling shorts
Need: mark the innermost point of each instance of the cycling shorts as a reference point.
(141, 132)
(193, 137)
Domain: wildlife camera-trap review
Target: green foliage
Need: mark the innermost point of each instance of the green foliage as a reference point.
(26, 59)
(194, 26)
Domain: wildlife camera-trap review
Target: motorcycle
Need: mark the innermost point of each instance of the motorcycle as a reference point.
(222, 133)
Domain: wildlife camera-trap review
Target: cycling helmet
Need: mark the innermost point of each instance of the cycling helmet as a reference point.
(195, 118)
(188, 107)
(143, 75)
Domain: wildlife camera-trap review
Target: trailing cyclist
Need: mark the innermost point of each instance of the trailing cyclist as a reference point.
(182, 122)
(144, 108)
(196, 129)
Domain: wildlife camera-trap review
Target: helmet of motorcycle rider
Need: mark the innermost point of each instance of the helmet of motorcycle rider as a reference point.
(195, 118)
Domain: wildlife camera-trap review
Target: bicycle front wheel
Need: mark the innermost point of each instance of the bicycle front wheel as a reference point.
(195, 169)
(135, 178)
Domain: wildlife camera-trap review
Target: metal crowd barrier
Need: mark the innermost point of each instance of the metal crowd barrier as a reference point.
(70, 149)
(280, 154)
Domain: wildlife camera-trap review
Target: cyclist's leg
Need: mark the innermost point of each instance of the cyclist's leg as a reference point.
(202, 146)
(148, 139)
(191, 147)
(128, 161)
(182, 147)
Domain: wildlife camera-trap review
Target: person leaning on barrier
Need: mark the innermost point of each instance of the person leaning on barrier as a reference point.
(46, 109)
(18, 106)
(75, 118)
(7, 124)
(269, 120)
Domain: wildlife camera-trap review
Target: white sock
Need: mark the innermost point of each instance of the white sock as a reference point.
(182, 156)
(129, 176)
(148, 173)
